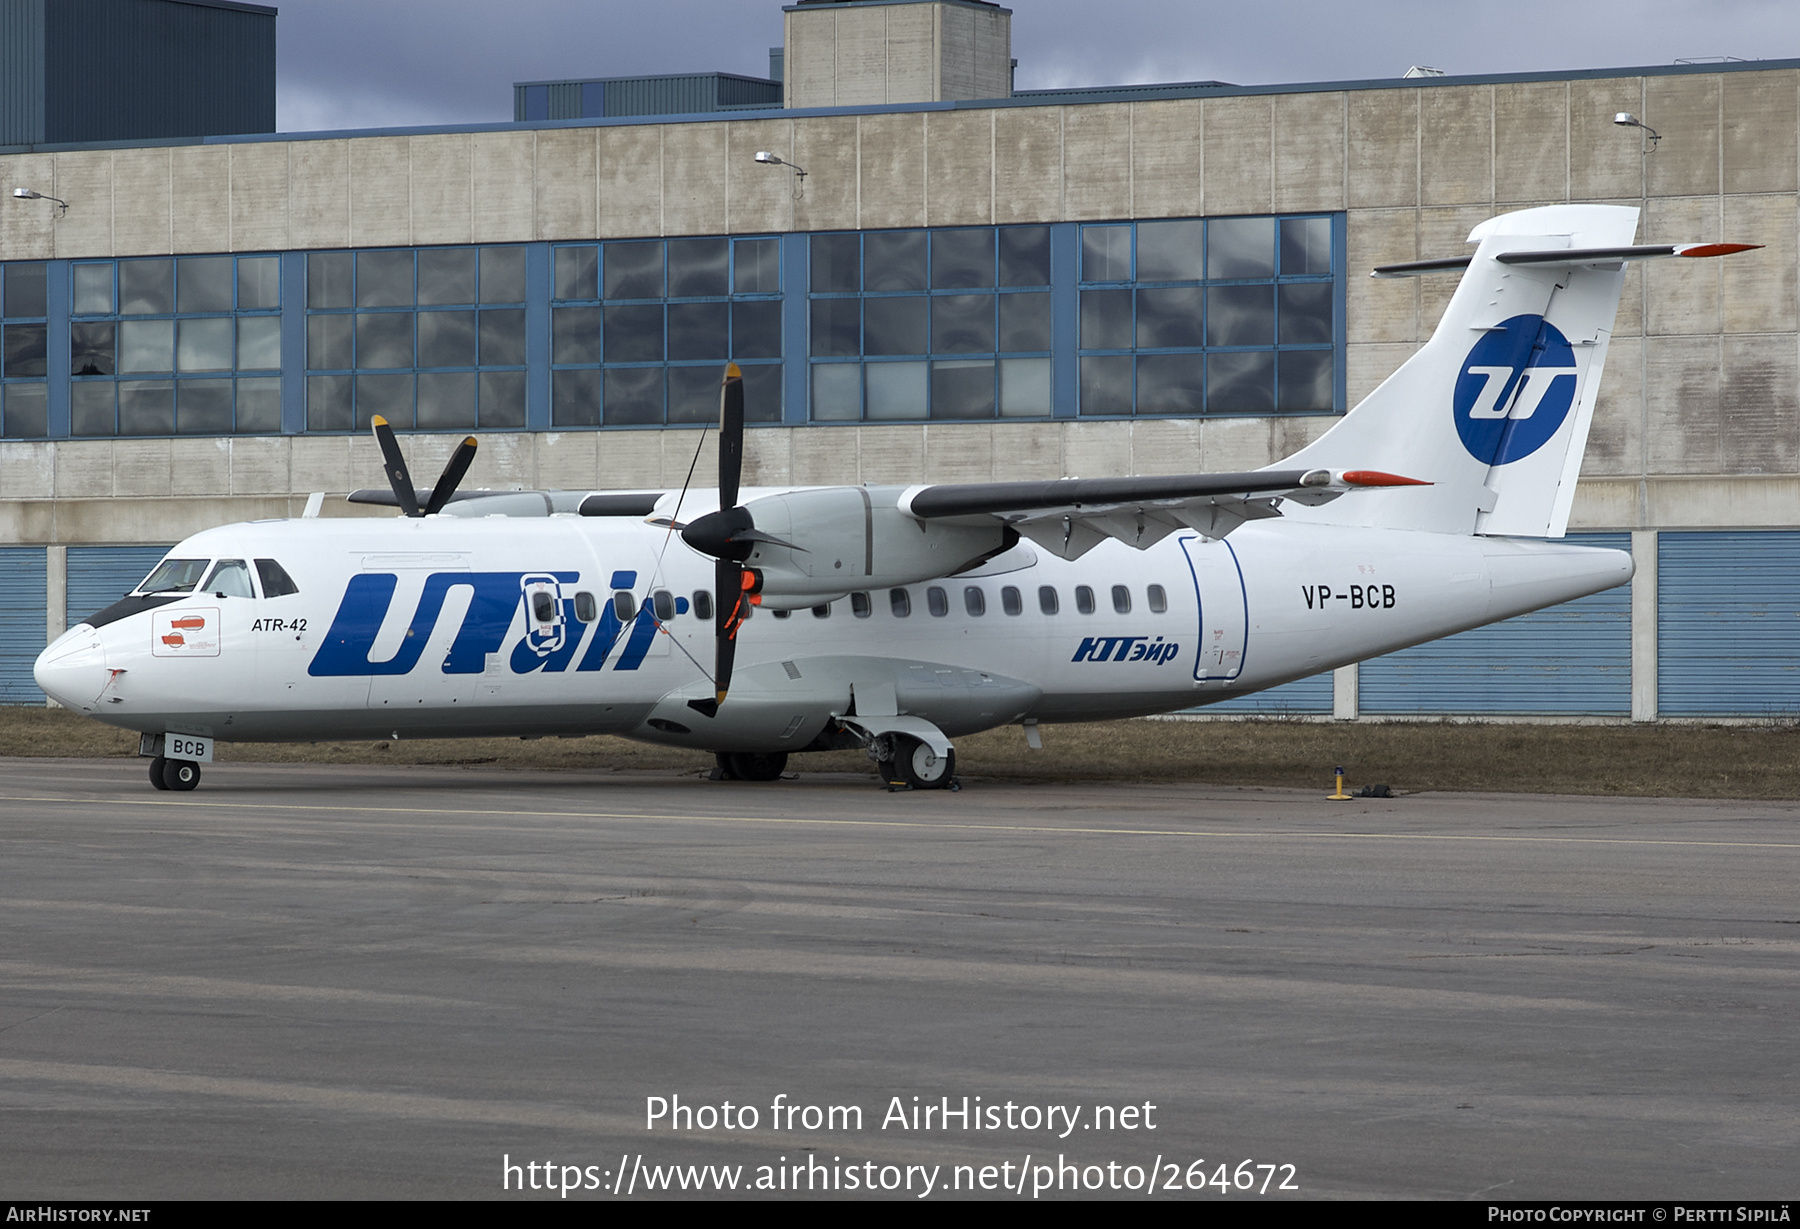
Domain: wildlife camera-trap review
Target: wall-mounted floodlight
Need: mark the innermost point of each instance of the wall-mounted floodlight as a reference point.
(26, 194)
(768, 159)
(1626, 119)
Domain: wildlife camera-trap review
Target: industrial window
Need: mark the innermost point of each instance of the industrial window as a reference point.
(641, 330)
(187, 345)
(428, 338)
(24, 360)
(952, 323)
(1213, 316)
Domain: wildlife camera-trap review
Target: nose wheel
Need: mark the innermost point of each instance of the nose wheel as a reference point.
(180, 775)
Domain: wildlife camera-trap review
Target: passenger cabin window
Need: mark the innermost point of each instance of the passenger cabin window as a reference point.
(822, 611)
(664, 602)
(624, 605)
(1121, 599)
(859, 605)
(900, 602)
(543, 606)
(1010, 601)
(937, 601)
(703, 604)
(1047, 599)
(783, 614)
(1084, 599)
(174, 576)
(975, 601)
(585, 607)
(230, 578)
(1159, 601)
(275, 580)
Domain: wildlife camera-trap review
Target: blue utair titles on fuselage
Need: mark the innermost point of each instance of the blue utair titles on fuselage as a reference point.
(1516, 388)
(1126, 648)
(495, 602)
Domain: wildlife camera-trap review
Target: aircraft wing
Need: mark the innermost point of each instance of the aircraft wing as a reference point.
(1069, 517)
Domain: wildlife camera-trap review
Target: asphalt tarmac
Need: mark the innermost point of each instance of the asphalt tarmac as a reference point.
(447, 982)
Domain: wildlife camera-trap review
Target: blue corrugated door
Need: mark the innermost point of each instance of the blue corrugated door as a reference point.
(101, 575)
(22, 593)
(1728, 624)
(1569, 660)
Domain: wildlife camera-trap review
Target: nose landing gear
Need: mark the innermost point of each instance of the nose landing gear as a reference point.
(180, 775)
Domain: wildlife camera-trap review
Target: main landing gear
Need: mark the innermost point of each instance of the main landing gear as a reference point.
(174, 774)
(749, 765)
(906, 761)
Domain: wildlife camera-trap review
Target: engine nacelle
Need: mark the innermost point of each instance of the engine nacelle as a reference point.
(857, 538)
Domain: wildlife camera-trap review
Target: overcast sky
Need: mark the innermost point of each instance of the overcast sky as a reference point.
(361, 64)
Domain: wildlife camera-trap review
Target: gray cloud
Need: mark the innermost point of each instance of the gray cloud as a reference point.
(355, 64)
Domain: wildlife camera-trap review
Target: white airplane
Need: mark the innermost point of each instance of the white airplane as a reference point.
(898, 618)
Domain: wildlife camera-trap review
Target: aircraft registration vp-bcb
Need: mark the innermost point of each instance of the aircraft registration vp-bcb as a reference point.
(897, 618)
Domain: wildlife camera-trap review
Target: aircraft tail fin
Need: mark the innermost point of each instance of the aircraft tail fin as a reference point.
(1494, 409)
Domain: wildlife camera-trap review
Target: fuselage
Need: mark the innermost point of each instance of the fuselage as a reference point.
(564, 625)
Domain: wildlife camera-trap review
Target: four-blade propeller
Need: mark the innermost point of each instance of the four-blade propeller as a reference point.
(400, 478)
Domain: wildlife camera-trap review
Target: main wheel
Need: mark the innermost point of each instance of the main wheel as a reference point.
(922, 768)
(180, 774)
(156, 772)
(758, 765)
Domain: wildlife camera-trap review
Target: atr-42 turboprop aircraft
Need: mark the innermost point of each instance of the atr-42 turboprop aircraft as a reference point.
(897, 618)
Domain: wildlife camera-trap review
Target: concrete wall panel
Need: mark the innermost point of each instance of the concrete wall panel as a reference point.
(827, 148)
(1028, 164)
(809, 70)
(259, 196)
(501, 169)
(1443, 232)
(1384, 309)
(959, 168)
(1165, 446)
(1732, 503)
(631, 181)
(1165, 158)
(319, 207)
(84, 469)
(1097, 162)
(1456, 145)
(911, 52)
(1683, 421)
(1097, 450)
(1760, 400)
(443, 181)
(767, 457)
(1757, 289)
(891, 170)
(1310, 136)
(1685, 110)
(141, 201)
(1384, 148)
(85, 180)
(1238, 155)
(1606, 162)
(759, 198)
(1682, 296)
(567, 200)
(1759, 116)
(30, 230)
(380, 191)
(1616, 439)
(259, 466)
(570, 460)
(824, 456)
(1531, 141)
(322, 463)
(960, 452)
(141, 467)
(1228, 445)
(1366, 366)
(199, 466)
(695, 161)
(1027, 451)
(201, 176)
(27, 471)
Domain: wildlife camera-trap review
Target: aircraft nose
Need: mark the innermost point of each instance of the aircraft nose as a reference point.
(72, 670)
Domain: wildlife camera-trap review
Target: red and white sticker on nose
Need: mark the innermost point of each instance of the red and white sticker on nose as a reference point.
(186, 632)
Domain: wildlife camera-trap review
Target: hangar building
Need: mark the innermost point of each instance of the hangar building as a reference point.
(969, 283)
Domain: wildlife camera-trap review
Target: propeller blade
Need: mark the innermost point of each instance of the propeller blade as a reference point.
(397, 474)
(731, 435)
(454, 469)
(731, 581)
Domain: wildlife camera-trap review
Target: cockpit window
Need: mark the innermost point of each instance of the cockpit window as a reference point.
(230, 578)
(275, 580)
(174, 576)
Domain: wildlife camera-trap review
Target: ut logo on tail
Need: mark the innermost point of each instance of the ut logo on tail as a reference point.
(1516, 388)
